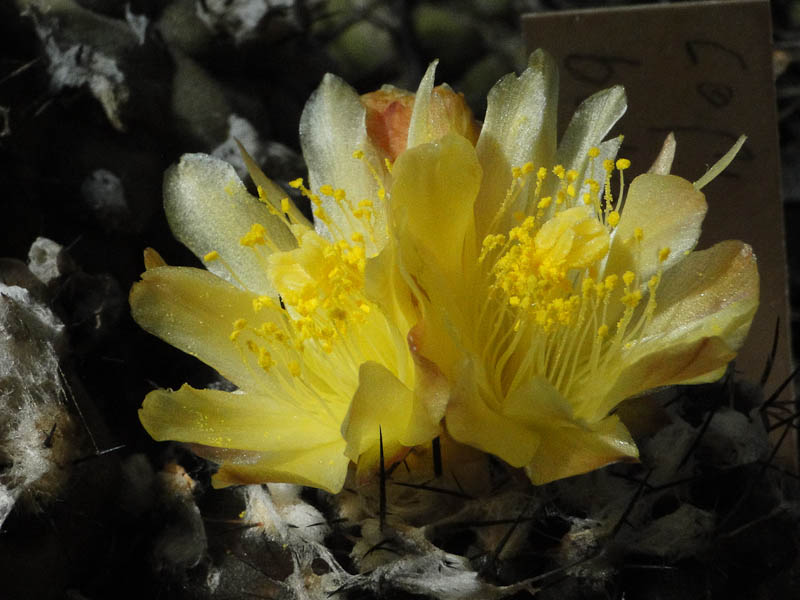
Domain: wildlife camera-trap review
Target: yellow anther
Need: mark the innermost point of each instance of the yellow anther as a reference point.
(587, 285)
(514, 300)
(602, 331)
(559, 171)
(623, 163)
(262, 195)
(388, 164)
(239, 324)
(608, 165)
(339, 195)
(211, 256)
(358, 154)
(365, 308)
(294, 368)
(613, 218)
(365, 203)
(610, 281)
(632, 299)
(516, 172)
(357, 237)
(285, 205)
(663, 254)
(261, 302)
(255, 236)
(572, 175)
(629, 277)
(541, 174)
(594, 152)
(527, 168)
(326, 189)
(382, 193)
(587, 198)
(571, 191)
(544, 202)
(234, 335)
(654, 281)
(296, 183)
(264, 359)
(638, 234)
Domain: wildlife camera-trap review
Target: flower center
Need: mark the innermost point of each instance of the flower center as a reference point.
(549, 294)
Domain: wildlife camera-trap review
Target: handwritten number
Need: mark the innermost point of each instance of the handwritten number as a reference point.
(694, 47)
(594, 68)
(716, 94)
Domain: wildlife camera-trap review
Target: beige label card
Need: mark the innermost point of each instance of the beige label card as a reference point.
(703, 71)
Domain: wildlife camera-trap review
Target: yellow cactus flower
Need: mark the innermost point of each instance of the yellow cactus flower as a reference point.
(309, 321)
(488, 277)
(548, 296)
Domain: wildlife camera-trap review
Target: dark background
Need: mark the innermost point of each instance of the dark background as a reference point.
(173, 90)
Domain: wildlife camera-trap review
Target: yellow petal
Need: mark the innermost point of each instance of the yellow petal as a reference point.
(235, 420)
(591, 122)
(384, 285)
(571, 449)
(704, 307)
(669, 212)
(272, 193)
(194, 311)
(536, 403)
(323, 466)
(711, 292)
(209, 209)
(382, 405)
(520, 126)
(470, 421)
(662, 165)
(435, 185)
(419, 130)
(450, 113)
(332, 127)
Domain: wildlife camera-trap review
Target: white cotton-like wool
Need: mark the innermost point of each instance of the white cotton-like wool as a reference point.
(38, 437)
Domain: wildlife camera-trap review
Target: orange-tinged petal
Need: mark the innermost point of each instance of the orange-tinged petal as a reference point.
(389, 112)
(388, 116)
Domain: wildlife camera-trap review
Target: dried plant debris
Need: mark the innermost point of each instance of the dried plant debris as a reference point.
(63, 27)
(38, 437)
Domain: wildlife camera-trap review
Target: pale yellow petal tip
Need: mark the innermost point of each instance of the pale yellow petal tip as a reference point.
(720, 165)
(152, 259)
